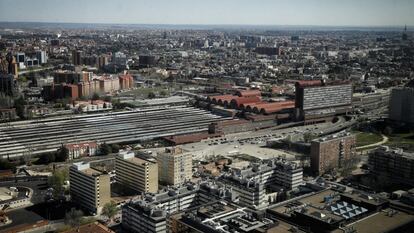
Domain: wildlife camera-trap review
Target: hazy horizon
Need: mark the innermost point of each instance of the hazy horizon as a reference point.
(325, 13)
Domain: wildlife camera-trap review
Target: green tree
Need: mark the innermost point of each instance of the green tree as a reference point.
(308, 137)
(73, 218)
(6, 165)
(110, 209)
(151, 95)
(62, 154)
(95, 96)
(47, 158)
(114, 148)
(19, 104)
(163, 93)
(107, 98)
(105, 149)
(57, 180)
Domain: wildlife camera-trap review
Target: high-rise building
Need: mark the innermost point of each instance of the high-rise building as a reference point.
(392, 166)
(7, 84)
(174, 166)
(76, 57)
(320, 100)
(21, 57)
(135, 173)
(89, 188)
(334, 151)
(41, 56)
(402, 105)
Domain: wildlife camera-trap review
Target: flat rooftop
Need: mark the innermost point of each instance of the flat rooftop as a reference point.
(140, 161)
(380, 222)
(316, 200)
(91, 172)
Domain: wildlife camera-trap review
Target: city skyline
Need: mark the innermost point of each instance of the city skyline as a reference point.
(230, 12)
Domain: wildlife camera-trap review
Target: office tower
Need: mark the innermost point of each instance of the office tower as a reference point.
(402, 105)
(332, 152)
(77, 57)
(41, 56)
(89, 188)
(174, 166)
(317, 100)
(21, 57)
(392, 166)
(135, 173)
(7, 84)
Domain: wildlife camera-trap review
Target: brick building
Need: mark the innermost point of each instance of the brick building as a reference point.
(332, 152)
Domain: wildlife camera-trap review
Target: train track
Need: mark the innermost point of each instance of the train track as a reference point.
(46, 135)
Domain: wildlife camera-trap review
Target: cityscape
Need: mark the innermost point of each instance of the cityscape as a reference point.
(194, 117)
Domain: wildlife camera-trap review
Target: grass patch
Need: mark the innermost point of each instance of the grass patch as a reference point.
(403, 140)
(364, 138)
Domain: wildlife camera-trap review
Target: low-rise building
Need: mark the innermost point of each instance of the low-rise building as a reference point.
(77, 150)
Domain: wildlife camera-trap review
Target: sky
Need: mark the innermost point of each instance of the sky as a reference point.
(234, 12)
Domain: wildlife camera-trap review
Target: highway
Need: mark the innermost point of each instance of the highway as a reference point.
(46, 135)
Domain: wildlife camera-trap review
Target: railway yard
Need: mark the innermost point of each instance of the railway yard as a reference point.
(46, 135)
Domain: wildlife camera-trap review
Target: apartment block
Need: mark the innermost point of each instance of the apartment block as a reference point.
(332, 152)
(89, 188)
(174, 166)
(395, 166)
(135, 173)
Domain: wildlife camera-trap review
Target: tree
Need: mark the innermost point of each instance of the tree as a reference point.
(47, 158)
(388, 131)
(107, 98)
(114, 148)
(19, 104)
(105, 149)
(151, 95)
(308, 137)
(6, 165)
(110, 209)
(62, 154)
(57, 180)
(163, 93)
(95, 96)
(73, 217)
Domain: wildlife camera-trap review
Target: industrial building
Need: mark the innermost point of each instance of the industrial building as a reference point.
(174, 166)
(89, 188)
(332, 152)
(138, 174)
